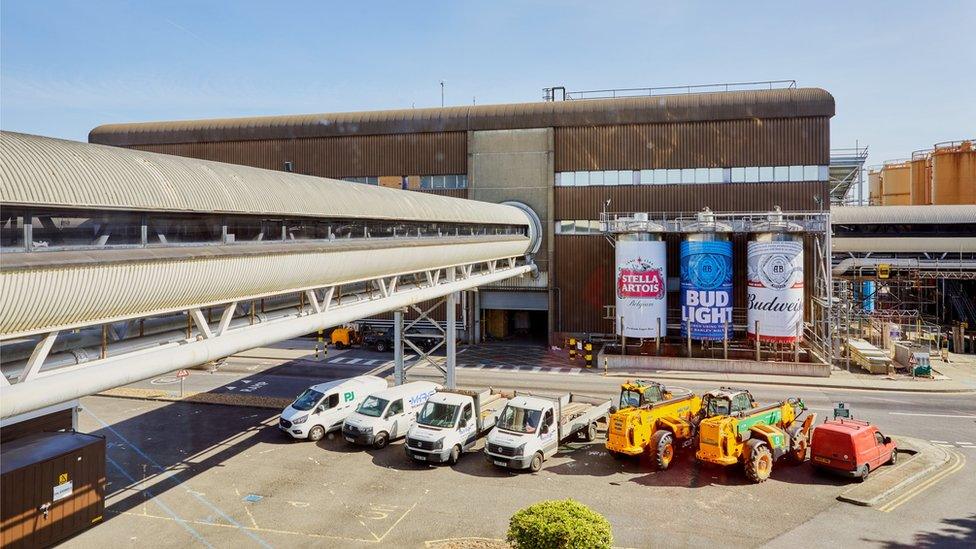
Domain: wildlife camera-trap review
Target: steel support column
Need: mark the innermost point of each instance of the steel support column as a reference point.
(451, 334)
(399, 376)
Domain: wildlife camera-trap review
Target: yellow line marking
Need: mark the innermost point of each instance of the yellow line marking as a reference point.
(267, 530)
(956, 463)
(403, 516)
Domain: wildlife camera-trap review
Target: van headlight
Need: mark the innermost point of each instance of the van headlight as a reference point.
(299, 420)
(520, 450)
(438, 445)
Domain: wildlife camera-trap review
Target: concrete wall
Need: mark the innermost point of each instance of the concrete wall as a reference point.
(631, 363)
(518, 165)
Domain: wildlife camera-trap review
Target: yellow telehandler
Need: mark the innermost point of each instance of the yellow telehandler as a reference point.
(651, 420)
(736, 430)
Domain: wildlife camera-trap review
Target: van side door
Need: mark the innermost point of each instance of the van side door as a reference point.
(879, 450)
(549, 436)
(397, 418)
(326, 411)
(469, 432)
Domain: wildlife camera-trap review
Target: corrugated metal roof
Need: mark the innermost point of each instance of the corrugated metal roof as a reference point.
(777, 103)
(40, 171)
(853, 215)
(890, 244)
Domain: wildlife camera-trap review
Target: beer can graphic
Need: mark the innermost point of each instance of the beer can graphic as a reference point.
(775, 293)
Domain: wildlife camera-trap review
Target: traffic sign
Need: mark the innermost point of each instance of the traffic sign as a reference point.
(183, 373)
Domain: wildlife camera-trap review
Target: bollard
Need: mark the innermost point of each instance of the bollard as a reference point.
(588, 354)
(606, 368)
(657, 338)
(725, 340)
(318, 342)
(572, 348)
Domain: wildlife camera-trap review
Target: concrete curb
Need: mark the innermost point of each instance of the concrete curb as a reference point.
(790, 383)
(928, 459)
(223, 399)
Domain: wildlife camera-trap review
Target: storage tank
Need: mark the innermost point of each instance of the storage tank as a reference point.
(954, 173)
(921, 176)
(875, 187)
(775, 278)
(641, 277)
(897, 184)
(706, 279)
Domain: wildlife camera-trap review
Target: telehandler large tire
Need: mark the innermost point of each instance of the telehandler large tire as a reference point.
(759, 463)
(662, 449)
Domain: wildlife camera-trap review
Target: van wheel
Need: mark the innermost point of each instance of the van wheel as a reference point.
(536, 464)
(759, 464)
(455, 455)
(662, 446)
(863, 472)
(339, 345)
(380, 347)
(894, 457)
(590, 434)
(381, 441)
(316, 433)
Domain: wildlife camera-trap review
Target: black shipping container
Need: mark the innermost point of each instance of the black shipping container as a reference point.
(53, 486)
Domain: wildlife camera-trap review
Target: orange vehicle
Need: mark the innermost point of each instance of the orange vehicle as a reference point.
(851, 447)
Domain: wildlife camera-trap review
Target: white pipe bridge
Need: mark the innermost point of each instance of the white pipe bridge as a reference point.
(121, 265)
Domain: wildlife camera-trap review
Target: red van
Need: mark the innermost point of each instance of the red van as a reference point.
(851, 447)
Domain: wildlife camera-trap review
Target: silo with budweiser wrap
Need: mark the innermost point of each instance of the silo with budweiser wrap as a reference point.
(775, 279)
(641, 279)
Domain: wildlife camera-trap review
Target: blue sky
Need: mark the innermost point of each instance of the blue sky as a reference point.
(903, 73)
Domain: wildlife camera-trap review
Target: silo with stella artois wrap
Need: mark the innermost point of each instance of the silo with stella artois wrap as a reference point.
(641, 285)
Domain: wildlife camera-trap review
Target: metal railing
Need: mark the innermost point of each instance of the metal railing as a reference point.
(734, 222)
(549, 94)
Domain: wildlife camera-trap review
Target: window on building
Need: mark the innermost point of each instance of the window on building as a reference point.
(766, 174)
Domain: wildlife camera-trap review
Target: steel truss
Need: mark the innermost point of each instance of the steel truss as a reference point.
(240, 327)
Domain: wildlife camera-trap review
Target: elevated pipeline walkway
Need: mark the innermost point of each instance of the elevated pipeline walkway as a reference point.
(99, 242)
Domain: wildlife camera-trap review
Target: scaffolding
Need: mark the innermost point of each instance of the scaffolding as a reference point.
(846, 172)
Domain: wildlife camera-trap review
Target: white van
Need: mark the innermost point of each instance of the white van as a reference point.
(387, 415)
(321, 408)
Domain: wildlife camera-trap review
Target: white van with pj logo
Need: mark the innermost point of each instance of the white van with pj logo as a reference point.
(322, 408)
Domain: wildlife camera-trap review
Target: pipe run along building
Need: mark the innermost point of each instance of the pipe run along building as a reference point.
(741, 151)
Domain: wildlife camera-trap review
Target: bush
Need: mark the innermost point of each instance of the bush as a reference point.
(559, 524)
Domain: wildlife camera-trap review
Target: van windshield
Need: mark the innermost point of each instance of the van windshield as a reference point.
(436, 414)
(520, 420)
(372, 406)
(307, 400)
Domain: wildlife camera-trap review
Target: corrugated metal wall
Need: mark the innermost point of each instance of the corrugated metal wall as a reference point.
(587, 202)
(721, 143)
(351, 156)
(585, 273)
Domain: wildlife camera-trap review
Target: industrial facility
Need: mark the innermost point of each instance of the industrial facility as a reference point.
(746, 151)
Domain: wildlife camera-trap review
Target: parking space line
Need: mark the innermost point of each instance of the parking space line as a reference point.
(182, 522)
(186, 487)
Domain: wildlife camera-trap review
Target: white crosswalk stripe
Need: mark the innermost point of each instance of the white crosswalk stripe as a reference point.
(537, 368)
(575, 370)
(370, 362)
(337, 360)
(354, 360)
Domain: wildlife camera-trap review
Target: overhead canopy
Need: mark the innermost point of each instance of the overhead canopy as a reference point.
(39, 171)
(691, 107)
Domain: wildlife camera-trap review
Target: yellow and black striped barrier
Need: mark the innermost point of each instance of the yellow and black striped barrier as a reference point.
(572, 348)
(588, 354)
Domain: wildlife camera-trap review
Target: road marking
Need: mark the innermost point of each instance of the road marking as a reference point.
(555, 370)
(354, 360)
(929, 415)
(575, 370)
(939, 441)
(186, 487)
(337, 360)
(371, 362)
(496, 368)
(537, 368)
(517, 369)
(956, 463)
(158, 501)
(964, 443)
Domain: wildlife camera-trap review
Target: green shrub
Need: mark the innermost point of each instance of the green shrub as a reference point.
(559, 524)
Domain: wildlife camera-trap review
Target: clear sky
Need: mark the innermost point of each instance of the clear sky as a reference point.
(903, 73)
